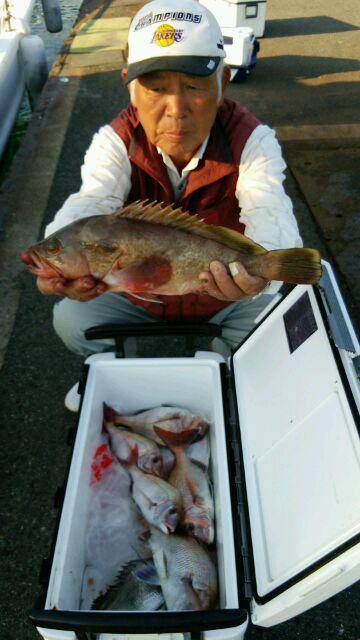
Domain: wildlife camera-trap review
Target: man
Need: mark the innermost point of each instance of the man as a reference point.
(179, 141)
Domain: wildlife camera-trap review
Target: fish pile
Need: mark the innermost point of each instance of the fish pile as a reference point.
(146, 249)
(165, 454)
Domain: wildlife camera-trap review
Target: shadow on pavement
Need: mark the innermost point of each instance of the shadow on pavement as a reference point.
(293, 89)
(286, 27)
(292, 67)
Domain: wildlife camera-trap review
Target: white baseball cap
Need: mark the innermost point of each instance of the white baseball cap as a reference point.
(174, 35)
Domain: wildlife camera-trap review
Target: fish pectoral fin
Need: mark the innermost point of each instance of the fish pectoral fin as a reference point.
(148, 275)
(198, 585)
(147, 574)
(160, 563)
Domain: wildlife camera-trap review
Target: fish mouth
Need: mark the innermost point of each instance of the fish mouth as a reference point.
(201, 528)
(168, 517)
(39, 266)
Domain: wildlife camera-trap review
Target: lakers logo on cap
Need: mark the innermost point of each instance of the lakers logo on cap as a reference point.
(165, 35)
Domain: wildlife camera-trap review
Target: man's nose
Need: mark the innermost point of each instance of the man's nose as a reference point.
(176, 105)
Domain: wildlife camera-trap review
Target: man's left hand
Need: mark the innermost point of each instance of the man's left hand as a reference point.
(219, 284)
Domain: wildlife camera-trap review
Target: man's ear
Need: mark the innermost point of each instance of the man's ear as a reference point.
(124, 74)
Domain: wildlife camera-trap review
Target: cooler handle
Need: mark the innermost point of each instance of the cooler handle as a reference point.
(137, 621)
(152, 329)
(119, 332)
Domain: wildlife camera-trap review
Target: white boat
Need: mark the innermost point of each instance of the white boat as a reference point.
(22, 59)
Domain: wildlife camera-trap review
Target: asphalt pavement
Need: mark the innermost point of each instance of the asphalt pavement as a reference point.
(305, 85)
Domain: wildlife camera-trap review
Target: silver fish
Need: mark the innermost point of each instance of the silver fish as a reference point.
(123, 442)
(129, 593)
(187, 575)
(158, 501)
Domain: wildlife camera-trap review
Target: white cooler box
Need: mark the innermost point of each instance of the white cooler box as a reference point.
(285, 469)
(231, 13)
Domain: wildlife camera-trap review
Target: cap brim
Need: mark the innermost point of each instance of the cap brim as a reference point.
(193, 65)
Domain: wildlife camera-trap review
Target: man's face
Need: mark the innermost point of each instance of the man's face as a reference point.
(176, 110)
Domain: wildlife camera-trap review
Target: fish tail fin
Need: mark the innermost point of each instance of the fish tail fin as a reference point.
(177, 439)
(296, 266)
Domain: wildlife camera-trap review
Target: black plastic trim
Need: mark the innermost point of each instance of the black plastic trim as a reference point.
(152, 329)
(231, 459)
(346, 545)
(137, 622)
(119, 332)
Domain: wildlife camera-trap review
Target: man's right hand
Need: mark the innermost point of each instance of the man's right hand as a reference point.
(82, 289)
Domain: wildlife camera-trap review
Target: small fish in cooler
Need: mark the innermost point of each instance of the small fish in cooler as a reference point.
(197, 513)
(183, 567)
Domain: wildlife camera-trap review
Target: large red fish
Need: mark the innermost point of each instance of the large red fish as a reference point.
(145, 249)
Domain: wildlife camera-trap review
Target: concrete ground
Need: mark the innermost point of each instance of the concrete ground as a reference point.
(306, 86)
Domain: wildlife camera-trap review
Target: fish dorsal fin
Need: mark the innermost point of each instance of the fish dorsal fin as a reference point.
(155, 213)
(108, 596)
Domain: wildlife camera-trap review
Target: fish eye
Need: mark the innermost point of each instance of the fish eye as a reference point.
(53, 246)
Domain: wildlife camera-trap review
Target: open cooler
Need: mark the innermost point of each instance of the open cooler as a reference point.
(285, 465)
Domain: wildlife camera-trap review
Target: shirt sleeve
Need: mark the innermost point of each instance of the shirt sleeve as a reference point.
(266, 210)
(106, 181)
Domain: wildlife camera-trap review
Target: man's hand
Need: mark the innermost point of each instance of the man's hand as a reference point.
(219, 284)
(82, 289)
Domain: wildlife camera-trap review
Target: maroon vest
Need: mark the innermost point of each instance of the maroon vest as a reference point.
(209, 192)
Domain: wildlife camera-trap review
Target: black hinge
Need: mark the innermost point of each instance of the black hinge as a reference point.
(233, 430)
(241, 512)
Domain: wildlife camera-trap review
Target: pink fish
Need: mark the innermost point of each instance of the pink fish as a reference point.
(197, 513)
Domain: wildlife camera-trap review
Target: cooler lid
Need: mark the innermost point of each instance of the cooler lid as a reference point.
(301, 458)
